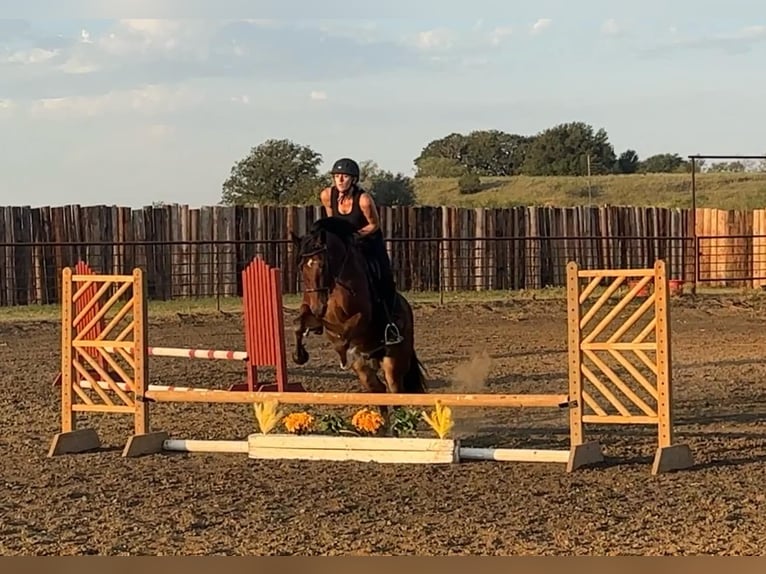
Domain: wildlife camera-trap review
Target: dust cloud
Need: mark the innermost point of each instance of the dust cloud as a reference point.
(470, 377)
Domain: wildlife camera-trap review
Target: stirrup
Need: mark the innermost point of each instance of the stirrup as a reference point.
(392, 335)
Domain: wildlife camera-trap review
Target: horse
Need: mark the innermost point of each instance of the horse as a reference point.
(338, 300)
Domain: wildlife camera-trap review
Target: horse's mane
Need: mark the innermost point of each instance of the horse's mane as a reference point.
(334, 234)
(335, 226)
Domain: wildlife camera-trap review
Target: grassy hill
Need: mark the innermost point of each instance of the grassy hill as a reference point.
(721, 190)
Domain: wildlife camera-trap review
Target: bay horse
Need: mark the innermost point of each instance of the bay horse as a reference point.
(338, 300)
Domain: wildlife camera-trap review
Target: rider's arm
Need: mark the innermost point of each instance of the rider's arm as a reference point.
(324, 197)
(367, 205)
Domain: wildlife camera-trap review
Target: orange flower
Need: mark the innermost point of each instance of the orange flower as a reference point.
(367, 420)
(298, 423)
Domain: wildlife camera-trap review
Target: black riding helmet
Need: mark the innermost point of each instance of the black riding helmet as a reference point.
(346, 166)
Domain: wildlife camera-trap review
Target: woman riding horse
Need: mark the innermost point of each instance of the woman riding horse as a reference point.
(338, 301)
(347, 201)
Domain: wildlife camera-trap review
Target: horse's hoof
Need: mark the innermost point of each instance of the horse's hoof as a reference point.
(301, 357)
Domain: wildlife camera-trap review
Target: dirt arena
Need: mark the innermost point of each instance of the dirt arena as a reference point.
(174, 503)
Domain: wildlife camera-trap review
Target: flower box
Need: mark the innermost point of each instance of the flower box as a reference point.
(357, 448)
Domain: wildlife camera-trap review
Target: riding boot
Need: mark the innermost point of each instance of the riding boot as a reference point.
(391, 335)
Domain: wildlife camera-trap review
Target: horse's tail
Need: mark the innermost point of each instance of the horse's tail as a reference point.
(414, 378)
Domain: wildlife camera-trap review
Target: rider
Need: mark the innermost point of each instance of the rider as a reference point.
(346, 200)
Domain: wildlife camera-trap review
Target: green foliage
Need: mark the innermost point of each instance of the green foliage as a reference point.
(484, 164)
(386, 187)
(485, 152)
(627, 162)
(727, 167)
(564, 150)
(405, 421)
(664, 163)
(332, 423)
(438, 167)
(277, 172)
(672, 190)
(469, 183)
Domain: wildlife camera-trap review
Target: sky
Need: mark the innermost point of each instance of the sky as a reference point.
(131, 102)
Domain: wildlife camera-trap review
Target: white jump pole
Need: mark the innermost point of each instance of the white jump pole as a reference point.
(514, 454)
(192, 353)
(123, 387)
(228, 446)
(465, 453)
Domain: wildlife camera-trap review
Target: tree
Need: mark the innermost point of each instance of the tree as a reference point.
(450, 148)
(484, 152)
(386, 187)
(277, 172)
(664, 163)
(439, 167)
(495, 153)
(564, 149)
(627, 162)
(469, 183)
(727, 167)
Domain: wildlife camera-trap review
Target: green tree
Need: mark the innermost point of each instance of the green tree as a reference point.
(484, 152)
(727, 167)
(386, 187)
(564, 149)
(469, 183)
(627, 162)
(277, 172)
(664, 163)
(439, 167)
(451, 147)
(495, 153)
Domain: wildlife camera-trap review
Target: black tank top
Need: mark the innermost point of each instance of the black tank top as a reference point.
(355, 217)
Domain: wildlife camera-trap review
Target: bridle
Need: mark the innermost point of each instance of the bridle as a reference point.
(335, 280)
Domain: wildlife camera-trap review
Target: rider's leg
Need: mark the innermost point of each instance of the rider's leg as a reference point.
(387, 286)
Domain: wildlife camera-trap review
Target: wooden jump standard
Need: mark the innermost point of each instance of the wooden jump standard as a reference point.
(124, 388)
(263, 330)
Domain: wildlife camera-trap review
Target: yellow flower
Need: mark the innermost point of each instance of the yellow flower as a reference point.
(440, 419)
(298, 423)
(267, 414)
(367, 420)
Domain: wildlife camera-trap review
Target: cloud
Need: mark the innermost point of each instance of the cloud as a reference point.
(136, 52)
(735, 43)
(318, 95)
(437, 39)
(540, 26)
(158, 132)
(610, 27)
(498, 34)
(14, 29)
(6, 108)
(29, 57)
(149, 101)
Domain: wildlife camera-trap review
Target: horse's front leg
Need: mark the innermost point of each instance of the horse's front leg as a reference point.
(303, 323)
(367, 372)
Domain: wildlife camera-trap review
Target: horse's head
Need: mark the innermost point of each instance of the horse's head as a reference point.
(323, 258)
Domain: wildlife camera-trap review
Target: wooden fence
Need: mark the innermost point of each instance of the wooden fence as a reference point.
(200, 252)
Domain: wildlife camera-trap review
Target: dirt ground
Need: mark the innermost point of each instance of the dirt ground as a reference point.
(175, 503)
